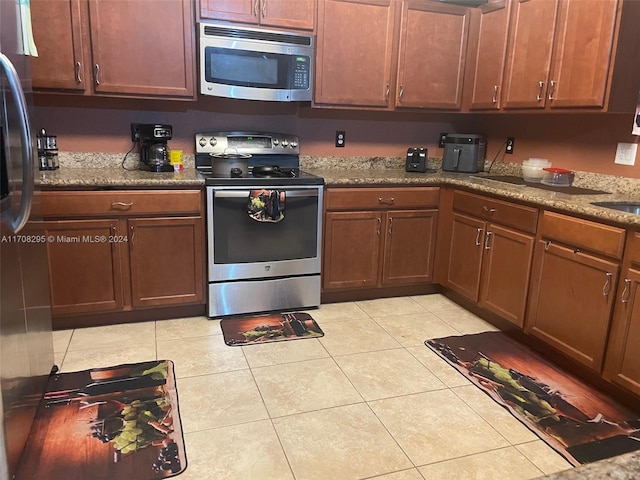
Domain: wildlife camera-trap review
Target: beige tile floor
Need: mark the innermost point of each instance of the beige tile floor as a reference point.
(366, 401)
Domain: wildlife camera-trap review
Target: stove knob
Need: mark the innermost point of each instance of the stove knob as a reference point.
(202, 142)
(293, 144)
(285, 143)
(213, 142)
(276, 141)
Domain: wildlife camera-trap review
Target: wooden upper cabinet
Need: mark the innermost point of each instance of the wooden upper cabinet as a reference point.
(57, 34)
(108, 47)
(298, 14)
(583, 47)
(128, 59)
(529, 60)
(354, 52)
(433, 46)
(489, 28)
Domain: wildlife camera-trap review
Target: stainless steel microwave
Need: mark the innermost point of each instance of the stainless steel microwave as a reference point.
(254, 64)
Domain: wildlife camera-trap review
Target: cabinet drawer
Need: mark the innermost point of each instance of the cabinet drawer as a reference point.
(372, 198)
(493, 210)
(119, 203)
(633, 247)
(583, 233)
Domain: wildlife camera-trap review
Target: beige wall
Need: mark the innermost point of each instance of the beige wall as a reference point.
(584, 142)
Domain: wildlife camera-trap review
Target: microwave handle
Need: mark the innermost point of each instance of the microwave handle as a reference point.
(17, 222)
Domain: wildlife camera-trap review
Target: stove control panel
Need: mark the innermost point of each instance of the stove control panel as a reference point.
(255, 143)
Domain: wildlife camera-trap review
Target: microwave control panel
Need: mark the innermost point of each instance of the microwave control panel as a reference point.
(300, 73)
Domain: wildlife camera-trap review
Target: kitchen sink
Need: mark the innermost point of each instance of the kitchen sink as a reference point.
(629, 207)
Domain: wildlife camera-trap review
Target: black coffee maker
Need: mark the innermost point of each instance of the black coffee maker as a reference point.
(154, 153)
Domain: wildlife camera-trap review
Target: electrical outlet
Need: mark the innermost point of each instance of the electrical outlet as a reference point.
(135, 132)
(510, 144)
(340, 138)
(626, 153)
(443, 137)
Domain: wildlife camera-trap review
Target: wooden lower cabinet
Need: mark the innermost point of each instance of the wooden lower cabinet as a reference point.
(410, 241)
(351, 249)
(84, 272)
(573, 286)
(378, 237)
(490, 261)
(118, 251)
(166, 261)
(571, 302)
(622, 365)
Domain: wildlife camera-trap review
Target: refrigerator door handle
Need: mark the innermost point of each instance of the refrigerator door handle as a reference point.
(26, 198)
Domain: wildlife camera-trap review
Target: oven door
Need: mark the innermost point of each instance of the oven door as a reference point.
(240, 247)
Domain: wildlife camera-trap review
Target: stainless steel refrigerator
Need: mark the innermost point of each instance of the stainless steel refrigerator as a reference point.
(26, 340)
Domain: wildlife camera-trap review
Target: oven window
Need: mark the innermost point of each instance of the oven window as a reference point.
(241, 239)
(246, 69)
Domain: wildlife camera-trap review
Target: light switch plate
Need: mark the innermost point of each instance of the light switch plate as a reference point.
(626, 153)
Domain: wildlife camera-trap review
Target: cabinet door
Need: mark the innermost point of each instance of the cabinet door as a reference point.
(623, 362)
(351, 249)
(354, 52)
(572, 294)
(167, 261)
(142, 49)
(465, 259)
(506, 268)
(57, 33)
(84, 266)
(298, 14)
(584, 42)
(433, 45)
(529, 57)
(246, 11)
(409, 247)
(488, 62)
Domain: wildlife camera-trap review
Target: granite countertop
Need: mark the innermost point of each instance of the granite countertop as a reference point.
(576, 204)
(106, 171)
(83, 178)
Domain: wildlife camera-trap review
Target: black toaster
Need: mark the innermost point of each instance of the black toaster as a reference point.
(416, 159)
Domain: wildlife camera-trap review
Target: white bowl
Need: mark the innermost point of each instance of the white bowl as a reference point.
(537, 162)
(532, 173)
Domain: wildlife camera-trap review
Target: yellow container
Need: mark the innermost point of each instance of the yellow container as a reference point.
(175, 157)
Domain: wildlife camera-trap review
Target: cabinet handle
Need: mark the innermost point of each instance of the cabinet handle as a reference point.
(255, 8)
(540, 88)
(488, 210)
(78, 71)
(385, 201)
(487, 246)
(264, 8)
(495, 94)
(390, 225)
(552, 89)
(401, 92)
(121, 204)
(606, 288)
(133, 233)
(478, 235)
(547, 244)
(379, 226)
(97, 69)
(386, 95)
(624, 298)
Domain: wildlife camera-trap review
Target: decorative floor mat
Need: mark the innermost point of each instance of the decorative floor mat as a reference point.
(582, 424)
(110, 423)
(269, 328)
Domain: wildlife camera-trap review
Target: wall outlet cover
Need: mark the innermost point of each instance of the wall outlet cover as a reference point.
(626, 153)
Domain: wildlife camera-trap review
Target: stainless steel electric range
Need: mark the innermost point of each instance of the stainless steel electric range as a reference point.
(264, 223)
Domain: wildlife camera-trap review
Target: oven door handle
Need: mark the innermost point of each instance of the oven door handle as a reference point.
(313, 192)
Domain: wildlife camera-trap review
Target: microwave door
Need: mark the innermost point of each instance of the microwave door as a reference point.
(16, 152)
